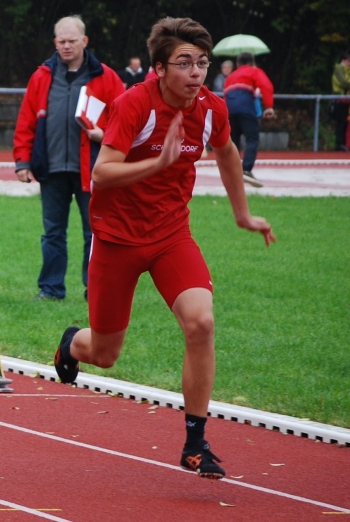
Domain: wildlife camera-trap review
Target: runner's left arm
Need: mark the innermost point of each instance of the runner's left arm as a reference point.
(230, 167)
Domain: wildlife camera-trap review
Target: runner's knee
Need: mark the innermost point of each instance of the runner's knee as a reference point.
(199, 327)
(106, 349)
(104, 359)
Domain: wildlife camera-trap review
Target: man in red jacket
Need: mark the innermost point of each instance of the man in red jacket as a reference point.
(240, 96)
(50, 146)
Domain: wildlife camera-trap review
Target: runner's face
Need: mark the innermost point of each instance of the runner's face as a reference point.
(70, 44)
(180, 86)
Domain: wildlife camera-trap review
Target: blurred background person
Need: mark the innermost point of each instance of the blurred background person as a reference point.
(219, 80)
(133, 73)
(240, 95)
(341, 85)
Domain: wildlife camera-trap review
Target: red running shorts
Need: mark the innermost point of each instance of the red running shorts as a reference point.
(175, 265)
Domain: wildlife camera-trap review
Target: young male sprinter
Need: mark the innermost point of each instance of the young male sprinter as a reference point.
(142, 183)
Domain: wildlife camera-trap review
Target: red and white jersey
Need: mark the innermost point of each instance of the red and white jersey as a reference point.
(156, 206)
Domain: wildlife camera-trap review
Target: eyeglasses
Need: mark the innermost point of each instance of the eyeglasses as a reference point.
(202, 64)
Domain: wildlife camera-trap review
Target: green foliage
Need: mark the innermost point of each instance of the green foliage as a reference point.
(305, 39)
(282, 314)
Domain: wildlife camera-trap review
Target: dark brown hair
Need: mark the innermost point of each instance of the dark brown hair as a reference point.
(246, 59)
(169, 32)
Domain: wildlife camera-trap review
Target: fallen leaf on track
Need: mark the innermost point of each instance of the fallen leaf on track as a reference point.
(223, 504)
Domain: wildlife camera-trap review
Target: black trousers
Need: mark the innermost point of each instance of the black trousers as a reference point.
(341, 122)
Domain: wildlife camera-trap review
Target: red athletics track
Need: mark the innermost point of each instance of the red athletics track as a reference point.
(77, 456)
(70, 455)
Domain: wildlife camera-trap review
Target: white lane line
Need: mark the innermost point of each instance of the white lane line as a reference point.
(30, 511)
(174, 468)
(97, 395)
(282, 161)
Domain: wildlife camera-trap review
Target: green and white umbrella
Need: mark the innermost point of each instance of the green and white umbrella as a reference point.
(239, 43)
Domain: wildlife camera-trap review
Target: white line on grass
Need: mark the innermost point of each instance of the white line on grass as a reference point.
(174, 468)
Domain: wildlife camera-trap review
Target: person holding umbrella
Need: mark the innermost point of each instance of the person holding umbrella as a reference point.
(240, 95)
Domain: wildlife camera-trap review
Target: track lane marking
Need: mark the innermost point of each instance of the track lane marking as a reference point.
(174, 468)
(30, 511)
(98, 395)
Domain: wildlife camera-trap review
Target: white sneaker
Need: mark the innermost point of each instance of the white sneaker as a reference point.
(249, 178)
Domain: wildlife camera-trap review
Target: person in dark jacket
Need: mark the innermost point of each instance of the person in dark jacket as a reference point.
(341, 85)
(50, 146)
(133, 73)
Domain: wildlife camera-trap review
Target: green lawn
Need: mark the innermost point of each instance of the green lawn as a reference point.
(282, 314)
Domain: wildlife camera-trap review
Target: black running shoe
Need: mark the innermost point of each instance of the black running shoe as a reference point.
(67, 367)
(201, 459)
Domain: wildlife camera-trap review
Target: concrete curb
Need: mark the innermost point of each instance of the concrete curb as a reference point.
(270, 421)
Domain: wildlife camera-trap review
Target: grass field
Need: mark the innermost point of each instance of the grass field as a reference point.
(282, 314)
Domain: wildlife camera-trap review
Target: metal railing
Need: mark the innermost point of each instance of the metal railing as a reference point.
(12, 90)
(317, 97)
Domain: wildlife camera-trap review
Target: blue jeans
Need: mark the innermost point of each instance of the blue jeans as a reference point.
(248, 126)
(56, 196)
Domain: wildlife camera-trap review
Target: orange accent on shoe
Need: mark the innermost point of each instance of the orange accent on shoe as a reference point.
(194, 462)
(58, 355)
